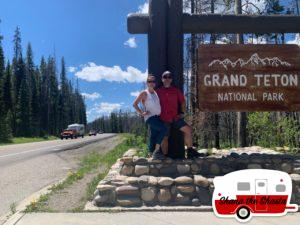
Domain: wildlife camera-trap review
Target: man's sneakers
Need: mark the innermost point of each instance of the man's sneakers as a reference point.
(157, 154)
(149, 155)
(192, 153)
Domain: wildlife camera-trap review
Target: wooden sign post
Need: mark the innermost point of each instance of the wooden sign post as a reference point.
(165, 26)
(249, 77)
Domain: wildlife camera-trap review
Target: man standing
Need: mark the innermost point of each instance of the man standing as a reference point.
(172, 102)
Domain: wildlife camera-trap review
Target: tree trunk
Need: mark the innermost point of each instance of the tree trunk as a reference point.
(193, 66)
(241, 116)
(216, 115)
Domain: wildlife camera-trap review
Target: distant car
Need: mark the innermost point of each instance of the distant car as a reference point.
(100, 132)
(73, 131)
(92, 133)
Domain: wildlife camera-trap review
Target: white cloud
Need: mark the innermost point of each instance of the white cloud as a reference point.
(135, 93)
(221, 8)
(249, 7)
(92, 96)
(72, 69)
(254, 6)
(144, 8)
(131, 43)
(255, 40)
(221, 41)
(103, 108)
(92, 72)
(296, 40)
(106, 107)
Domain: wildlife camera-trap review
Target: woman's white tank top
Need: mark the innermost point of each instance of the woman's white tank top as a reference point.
(152, 105)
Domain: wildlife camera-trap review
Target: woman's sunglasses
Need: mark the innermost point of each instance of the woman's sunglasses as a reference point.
(150, 81)
(167, 77)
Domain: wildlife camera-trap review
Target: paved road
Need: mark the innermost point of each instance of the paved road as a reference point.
(14, 153)
(149, 218)
(26, 168)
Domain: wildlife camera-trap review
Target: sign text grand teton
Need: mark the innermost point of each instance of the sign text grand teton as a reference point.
(249, 77)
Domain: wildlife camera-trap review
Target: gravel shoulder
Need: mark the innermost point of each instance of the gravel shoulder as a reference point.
(73, 197)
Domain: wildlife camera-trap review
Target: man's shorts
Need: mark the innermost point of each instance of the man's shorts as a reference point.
(176, 124)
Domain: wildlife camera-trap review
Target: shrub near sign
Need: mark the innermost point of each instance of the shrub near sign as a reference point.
(249, 77)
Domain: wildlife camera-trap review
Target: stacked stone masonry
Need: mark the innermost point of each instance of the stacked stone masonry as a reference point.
(136, 181)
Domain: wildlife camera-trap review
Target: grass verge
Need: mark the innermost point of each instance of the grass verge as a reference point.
(22, 140)
(90, 163)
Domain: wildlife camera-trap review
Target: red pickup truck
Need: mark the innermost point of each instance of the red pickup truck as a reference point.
(68, 134)
(73, 131)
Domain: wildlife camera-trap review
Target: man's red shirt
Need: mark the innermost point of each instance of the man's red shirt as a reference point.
(170, 100)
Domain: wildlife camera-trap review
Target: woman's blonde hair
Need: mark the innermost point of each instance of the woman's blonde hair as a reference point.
(151, 76)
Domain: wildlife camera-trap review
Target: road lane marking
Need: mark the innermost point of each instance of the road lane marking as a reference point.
(34, 150)
(41, 149)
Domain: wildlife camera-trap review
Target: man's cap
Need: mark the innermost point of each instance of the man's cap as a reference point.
(166, 73)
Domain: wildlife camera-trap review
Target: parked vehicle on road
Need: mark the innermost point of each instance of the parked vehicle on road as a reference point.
(92, 133)
(73, 131)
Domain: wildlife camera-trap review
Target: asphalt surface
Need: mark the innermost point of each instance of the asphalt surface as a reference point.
(26, 168)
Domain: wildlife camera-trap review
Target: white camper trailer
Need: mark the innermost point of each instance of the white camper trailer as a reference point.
(258, 192)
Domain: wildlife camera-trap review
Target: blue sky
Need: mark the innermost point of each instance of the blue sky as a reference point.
(92, 35)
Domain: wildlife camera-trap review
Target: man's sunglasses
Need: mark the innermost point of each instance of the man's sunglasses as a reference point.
(167, 77)
(150, 81)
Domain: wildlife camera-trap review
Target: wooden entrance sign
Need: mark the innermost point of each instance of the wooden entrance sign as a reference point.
(249, 77)
(165, 25)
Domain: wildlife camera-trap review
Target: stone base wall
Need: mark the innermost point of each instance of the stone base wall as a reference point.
(136, 181)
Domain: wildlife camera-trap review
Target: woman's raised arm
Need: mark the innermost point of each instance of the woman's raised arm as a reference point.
(136, 102)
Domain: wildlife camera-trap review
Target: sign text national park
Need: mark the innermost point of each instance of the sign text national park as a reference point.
(249, 77)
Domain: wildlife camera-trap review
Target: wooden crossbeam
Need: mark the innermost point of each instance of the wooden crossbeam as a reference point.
(217, 23)
(138, 23)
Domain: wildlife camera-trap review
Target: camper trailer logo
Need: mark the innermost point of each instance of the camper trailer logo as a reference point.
(253, 192)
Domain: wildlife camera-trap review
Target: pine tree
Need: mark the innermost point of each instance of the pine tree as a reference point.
(23, 110)
(30, 68)
(43, 98)
(30, 77)
(35, 105)
(4, 128)
(114, 122)
(7, 89)
(63, 100)
(18, 63)
(2, 70)
(82, 110)
(77, 103)
(71, 100)
(274, 7)
(32, 102)
(18, 72)
(53, 97)
(2, 66)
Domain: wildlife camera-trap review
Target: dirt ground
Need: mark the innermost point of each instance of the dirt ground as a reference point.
(73, 197)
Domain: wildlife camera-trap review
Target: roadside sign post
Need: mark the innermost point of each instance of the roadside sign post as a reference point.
(166, 24)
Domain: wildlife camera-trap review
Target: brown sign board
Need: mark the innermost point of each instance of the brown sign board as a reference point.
(249, 77)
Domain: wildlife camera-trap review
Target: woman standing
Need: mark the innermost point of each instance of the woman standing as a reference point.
(151, 113)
